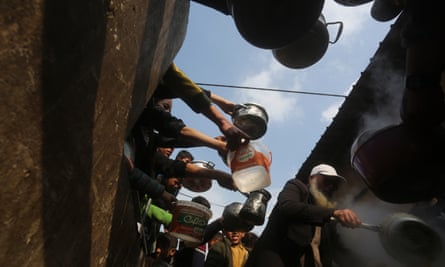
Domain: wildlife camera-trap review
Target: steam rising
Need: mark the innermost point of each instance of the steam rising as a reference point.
(387, 88)
(387, 91)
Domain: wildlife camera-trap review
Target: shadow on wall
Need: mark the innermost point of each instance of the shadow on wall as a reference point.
(73, 47)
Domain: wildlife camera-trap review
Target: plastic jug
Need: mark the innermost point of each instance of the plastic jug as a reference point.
(250, 166)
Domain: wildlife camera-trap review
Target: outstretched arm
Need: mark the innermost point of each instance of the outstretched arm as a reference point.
(194, 96)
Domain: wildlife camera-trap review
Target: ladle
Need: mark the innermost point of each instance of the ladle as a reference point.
(408, 239)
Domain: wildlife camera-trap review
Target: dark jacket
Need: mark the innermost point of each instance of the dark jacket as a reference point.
(295, 216)
(144, 139)
(291, 227)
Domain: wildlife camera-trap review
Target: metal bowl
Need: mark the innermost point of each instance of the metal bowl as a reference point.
(199, 185)
(251, 118)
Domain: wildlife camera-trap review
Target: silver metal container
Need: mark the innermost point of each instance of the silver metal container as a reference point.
(251, 118)
(199, 184)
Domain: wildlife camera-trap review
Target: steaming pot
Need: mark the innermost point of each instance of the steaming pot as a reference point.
(271, 24)
(398, 165)
(199, 184)
(310, 48)
(409, 239)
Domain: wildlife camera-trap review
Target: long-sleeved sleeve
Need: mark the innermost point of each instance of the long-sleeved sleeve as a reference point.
(145, 184)
(176, 84)
(168, 167)
(293, 203)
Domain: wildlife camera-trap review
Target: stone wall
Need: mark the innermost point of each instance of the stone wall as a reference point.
(75, 76)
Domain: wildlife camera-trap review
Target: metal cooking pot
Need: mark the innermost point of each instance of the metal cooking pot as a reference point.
(251, 118)
(271, 24)
(254, 209)
(199, 184)
(385, 10)
(400, 166)
(408, 239)
(352, 2)
(309, 48)
(232, 220)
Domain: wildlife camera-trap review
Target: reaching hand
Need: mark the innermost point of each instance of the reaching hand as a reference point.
(169, 199)
(227, 182)
(129, 163)
(347, 218)
(235, 137)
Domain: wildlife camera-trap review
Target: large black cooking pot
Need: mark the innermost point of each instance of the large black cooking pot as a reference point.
(310, 48)
(408, 239)
(271, 24)
(352, 2)
(400, 166)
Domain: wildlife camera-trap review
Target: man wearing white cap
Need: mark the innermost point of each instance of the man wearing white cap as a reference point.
(300, 231)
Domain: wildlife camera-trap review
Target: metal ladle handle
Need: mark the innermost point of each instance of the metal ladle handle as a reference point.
(367, 226)
(371, 227)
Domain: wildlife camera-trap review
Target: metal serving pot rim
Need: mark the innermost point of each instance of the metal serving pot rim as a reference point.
(199, 184)
(204, 164)
(250, 118)
(246, 109)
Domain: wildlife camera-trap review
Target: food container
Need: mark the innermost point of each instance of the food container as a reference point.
(272, 24)
(250, 166)
(251, 118)
(189, 221)
(232, 220)
(398, 165)
(310, 48)
(199, 185)
(408, 239)
(254, 209)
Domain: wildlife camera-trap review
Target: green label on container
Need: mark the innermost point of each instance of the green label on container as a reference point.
(191, 220)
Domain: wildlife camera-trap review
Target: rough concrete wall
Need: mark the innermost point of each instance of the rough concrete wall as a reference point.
(75, 76)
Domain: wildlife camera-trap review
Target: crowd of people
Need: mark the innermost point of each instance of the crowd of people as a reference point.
(156, 178)
(301, 230)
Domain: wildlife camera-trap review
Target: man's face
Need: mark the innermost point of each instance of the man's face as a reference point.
(185, 159)
(173, 185)
(234, 237)
(327, 185)
(165, 104)
(166, 151)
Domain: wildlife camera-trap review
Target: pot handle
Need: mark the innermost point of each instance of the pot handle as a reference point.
(367, 226)
(371, 227)
(240, 106)
(339, 30)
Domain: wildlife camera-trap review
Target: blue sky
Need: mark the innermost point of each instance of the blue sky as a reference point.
(214, 52)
